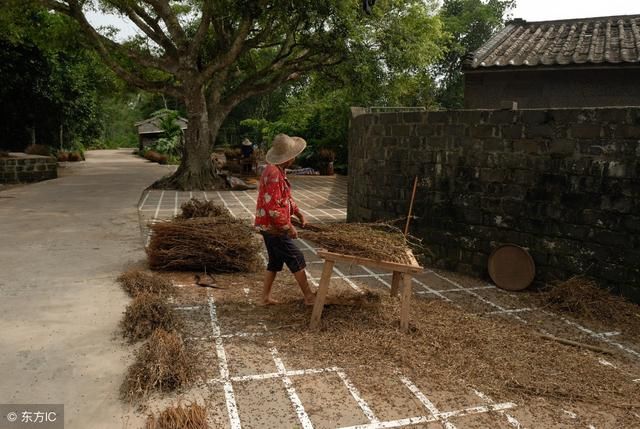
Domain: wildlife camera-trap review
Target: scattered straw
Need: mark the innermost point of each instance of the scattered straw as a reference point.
(215, 244)
(581, 297)
(191, 416)
(368, 240)
(198, 208)
(162, 364)
(146, 313)
(446, 345)
(135, 282)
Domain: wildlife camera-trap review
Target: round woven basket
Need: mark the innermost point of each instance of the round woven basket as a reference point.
(511, 267)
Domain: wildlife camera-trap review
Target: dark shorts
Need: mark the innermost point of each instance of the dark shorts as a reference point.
(282, 250)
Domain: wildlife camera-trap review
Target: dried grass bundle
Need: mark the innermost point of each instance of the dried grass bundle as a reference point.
(191, 416)
(198, 208)
(581, 297)
(217, 244)
(146, 313)
(377, 241)
(135, 282)
(161, 364)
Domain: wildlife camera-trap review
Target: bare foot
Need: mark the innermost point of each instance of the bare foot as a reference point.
(310, 300)
(270, 301)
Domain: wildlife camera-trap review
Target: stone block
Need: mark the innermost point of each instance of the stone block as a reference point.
(531, 146)
(484, 131)
(586, 131)
(512, 131)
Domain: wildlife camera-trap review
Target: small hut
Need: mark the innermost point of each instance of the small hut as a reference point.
(150, 130)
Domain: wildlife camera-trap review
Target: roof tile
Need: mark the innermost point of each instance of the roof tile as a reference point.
(613, 39)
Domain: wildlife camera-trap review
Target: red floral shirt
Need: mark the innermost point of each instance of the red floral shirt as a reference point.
(275, 205)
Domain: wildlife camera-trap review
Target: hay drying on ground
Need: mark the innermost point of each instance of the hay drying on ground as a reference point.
(377, 241)
(161, 364)
(215, 244)
(135, 282)
(146, 313)
(198, 208)
(446, 345)
(191, 416)
(581, 297)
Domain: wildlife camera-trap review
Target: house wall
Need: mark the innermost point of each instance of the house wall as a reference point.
(553, 88)
(564, 183)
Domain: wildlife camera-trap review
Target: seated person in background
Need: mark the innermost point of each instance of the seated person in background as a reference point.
(247, 155)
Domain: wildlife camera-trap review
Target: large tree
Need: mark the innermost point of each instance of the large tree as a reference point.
(213, 54)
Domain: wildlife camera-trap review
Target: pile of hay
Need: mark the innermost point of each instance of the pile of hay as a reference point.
(377, 241)
(135, 282)
(192, 416)
(215, 244)
(146, 313)
(581, 297)
(198, 208)
(161, 364)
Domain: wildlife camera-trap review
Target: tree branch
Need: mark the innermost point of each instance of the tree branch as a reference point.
(164, 11)
(203, 28)
(236, 48)
(74, 10)
(146, 23)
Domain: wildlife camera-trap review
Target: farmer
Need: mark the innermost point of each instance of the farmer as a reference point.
(273, 217)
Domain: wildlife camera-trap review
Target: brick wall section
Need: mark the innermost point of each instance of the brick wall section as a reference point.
(27, 169)
(563, 183)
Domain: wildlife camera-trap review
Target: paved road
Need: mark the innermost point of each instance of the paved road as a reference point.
(62, 244)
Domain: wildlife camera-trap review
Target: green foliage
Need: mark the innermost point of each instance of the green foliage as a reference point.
(468, 24)
(51, 84)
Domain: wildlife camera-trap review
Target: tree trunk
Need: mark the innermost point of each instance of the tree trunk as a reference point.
(196, 170)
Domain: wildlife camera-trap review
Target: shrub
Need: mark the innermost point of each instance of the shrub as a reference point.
(38, 149)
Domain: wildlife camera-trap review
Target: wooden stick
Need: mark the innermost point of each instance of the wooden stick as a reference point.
(413, 196)
(575, 343)
(321, 294)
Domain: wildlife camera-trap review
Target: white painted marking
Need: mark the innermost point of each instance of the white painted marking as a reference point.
(232, 407)
(175, 206)
(358, 398)
(426, 402)
(513, 422)
(144, 200)
(604, 362)
(291, 391)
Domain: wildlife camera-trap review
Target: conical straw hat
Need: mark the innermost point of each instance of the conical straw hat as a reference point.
(285, 148)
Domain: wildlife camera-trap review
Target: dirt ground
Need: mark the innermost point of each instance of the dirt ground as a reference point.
(261, 367)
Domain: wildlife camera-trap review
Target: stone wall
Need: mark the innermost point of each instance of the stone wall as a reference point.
(563, 183)
(27, 168)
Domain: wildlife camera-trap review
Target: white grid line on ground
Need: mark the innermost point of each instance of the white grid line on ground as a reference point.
(481, 298)
(513, 422)
(155, 216)
(175, 205)
(355, 393)
(230, 399)
(291, 391)
(426, 402)
(604, 338)
(144, 200)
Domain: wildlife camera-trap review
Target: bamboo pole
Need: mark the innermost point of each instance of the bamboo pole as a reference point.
(413, 196)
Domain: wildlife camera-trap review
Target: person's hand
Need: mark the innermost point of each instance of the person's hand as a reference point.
(302, 219)
(293, 232)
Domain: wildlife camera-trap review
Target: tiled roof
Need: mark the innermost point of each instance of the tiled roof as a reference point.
(605, 40)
